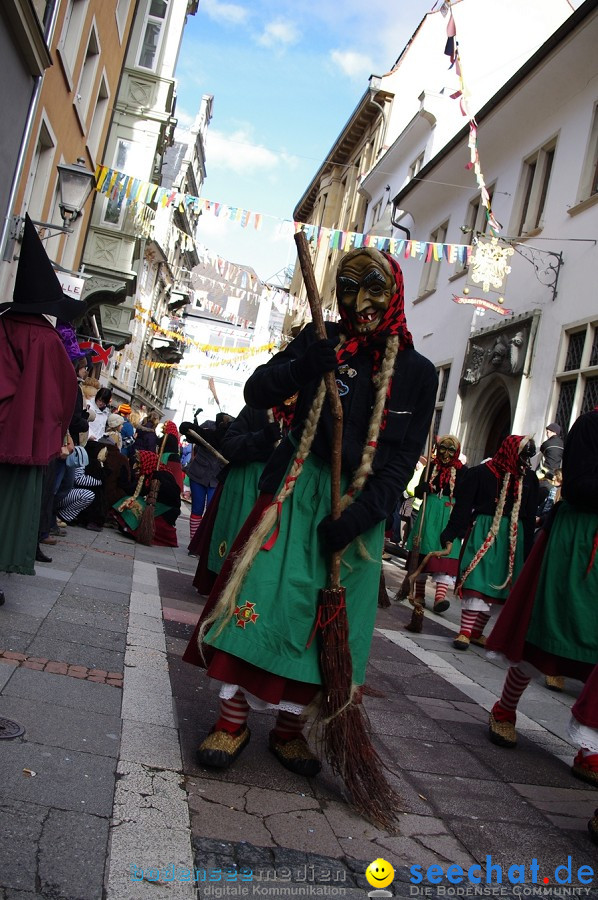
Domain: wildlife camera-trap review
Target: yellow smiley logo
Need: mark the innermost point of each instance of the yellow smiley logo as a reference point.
(380, 873)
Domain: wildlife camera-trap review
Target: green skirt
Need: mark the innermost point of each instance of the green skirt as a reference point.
(437, 513)
(132, 516)
(238, 496)
(21, 495)
(565, 610)
(273, 624)
(493, 568)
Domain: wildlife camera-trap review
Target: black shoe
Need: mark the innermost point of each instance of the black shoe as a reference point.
(41, 557)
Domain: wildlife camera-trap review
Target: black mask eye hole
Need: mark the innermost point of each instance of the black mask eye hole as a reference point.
(346, 285)
(374, 280)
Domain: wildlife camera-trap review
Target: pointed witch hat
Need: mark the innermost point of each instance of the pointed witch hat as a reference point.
(37, 288)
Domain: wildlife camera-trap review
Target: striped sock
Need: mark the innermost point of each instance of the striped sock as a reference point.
(468, 618)
(420, 588)
(514, 686)
(288, 725)
(233, 713)
(441, 592)
(480, 623)
(194, 523)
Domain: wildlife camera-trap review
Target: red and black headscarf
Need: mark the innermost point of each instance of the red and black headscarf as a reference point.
(147, 463)
(392, 322)
(283, 414)
(506, 458)
(443, 472)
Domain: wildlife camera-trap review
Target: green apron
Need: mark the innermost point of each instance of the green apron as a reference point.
(273, 623)
(437, 513)
(238, 496)
(493, 568)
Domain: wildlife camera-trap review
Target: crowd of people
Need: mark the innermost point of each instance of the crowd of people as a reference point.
(263, 526)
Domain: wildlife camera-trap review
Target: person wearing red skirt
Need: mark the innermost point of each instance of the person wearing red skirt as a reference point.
(549, 621)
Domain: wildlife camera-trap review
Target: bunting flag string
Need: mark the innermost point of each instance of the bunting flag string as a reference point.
(143, 315)
(452, 51)
(242, 353)
(122, 188)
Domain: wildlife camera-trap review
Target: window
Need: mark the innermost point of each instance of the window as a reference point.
(122, 12)
(70, 40)
(476, 222)
(589, 178)
(444, 373)
(534, 188)
(416, 166)
(153, 28)
(43, 11)
(40, 173)
(99, 118)
(88, 74)
(577, 378)
(431, 269)
(129, 158)
(377, 212)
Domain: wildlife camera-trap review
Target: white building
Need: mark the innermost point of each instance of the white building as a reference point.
(538, 148)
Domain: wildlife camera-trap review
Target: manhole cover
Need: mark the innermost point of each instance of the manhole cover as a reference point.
(10, 729)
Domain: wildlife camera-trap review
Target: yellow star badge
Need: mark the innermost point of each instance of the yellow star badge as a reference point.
(245, 614)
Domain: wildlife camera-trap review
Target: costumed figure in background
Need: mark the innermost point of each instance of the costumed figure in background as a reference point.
(260, 627)
(170, 458)
(549, 623)
(38, 389)
(440, 490)
(206, 465)
(128, 429)
(248, 443)
(497, 502)
(156, 489)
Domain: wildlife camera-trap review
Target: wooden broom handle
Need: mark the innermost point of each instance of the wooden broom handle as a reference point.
(315, 305)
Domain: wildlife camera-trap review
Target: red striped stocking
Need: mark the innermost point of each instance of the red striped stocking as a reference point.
(514, 686)
(468, 619)
(194, 523)
(233, 713)
(480, 623)
(288, 725)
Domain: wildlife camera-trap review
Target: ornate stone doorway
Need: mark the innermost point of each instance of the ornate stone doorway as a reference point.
(487, 417)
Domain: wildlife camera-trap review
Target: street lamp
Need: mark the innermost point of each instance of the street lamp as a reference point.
(75, 184)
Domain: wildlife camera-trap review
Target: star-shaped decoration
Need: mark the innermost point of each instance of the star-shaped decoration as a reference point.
(246, 614)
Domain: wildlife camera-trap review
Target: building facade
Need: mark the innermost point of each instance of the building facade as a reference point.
(69, 117)
(406, 115)
(537, 141)
(142, 128)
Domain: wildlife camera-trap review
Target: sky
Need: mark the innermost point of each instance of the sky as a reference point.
(285, 77)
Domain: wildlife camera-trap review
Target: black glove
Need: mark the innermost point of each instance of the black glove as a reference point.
(272, 432)
(336, 534)
(317, 359)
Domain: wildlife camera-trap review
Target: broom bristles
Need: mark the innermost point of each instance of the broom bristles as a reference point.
(145, 531)
(345, 740)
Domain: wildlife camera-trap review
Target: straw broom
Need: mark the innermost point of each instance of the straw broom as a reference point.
(345, 736)
(147, 525)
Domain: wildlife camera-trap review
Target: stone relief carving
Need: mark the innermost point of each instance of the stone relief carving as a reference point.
(500, 352)
(140, 92)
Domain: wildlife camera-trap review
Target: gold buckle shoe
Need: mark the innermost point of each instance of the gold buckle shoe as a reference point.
(461, 642)
(479, 641)
(555, 683)
(502, 734)
(295, 755)
(221, 748)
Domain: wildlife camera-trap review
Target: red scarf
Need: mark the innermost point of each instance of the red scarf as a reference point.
(392, 322)
(444, 470)
(148, 463)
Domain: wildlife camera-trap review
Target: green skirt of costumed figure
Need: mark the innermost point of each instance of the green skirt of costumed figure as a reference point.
(493, 568)
(437, 513)
(132, 517)
(21, 492)
(565, 607)
(276, 609)
(236, 502)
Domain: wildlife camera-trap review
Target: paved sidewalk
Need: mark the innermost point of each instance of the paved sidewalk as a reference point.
(102, 788)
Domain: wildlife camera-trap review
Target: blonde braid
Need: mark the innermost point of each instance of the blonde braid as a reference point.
(452, 482)
(434, 474)
(491, 536)
(225, 607)
(381, 380)
(513, 529)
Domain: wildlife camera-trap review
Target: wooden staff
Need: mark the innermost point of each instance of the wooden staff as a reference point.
(207, 446)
